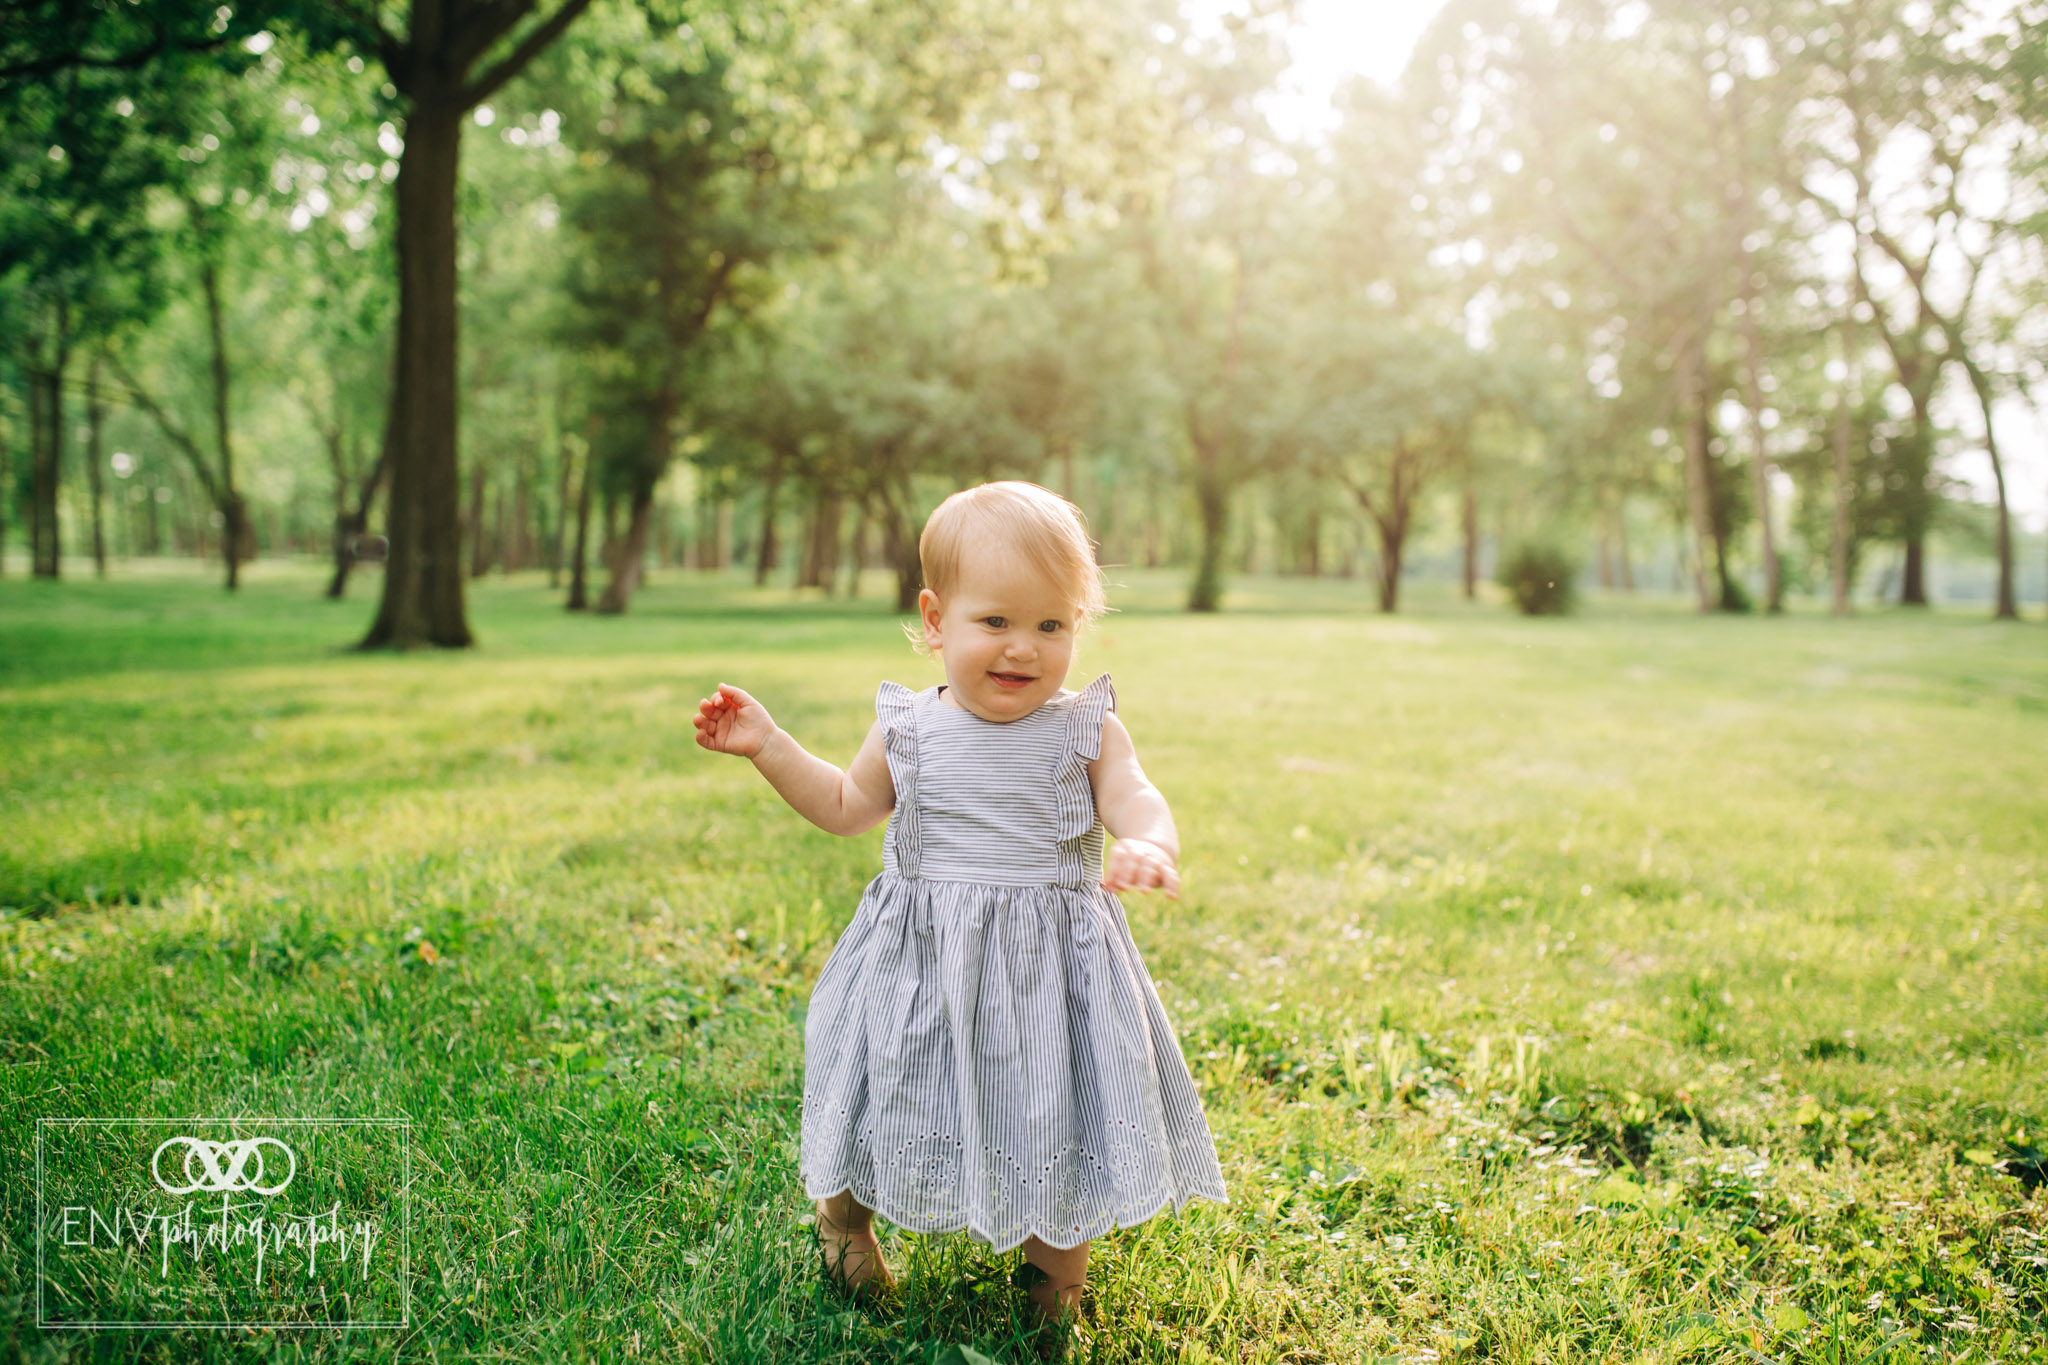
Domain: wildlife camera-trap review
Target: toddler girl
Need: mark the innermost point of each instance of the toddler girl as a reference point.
(984, 1048)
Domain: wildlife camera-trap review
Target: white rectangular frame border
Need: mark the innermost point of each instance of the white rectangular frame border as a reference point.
(404, 1320)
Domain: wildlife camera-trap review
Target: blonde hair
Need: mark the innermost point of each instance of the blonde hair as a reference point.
(1040, 525)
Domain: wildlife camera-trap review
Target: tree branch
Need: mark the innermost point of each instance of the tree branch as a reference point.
(530, 47)
(179, 437)
(483, 25)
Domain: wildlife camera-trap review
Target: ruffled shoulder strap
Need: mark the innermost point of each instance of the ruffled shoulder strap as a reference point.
(896, 709)
(1085, 713)
(892, 705)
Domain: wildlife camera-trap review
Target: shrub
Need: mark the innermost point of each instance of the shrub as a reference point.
(1540, 577)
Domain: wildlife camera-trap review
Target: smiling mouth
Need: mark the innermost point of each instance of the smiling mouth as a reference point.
(1012, 681)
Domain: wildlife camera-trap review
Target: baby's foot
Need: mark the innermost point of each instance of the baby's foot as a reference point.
(1048, 1303)
(853, 1260)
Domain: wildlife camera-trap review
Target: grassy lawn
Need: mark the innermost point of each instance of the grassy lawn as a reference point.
(1627, 987)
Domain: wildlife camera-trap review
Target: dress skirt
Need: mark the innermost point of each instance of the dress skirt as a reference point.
(995, 1058)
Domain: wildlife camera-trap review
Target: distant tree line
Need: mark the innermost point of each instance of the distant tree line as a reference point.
(591, 285)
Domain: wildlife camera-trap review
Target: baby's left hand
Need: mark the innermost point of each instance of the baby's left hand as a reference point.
(1141, 865)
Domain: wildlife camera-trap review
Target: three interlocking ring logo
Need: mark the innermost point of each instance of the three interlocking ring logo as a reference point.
(234, 1177)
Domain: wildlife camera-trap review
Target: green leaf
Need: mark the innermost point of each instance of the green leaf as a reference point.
(964, 1355)
(1978, 1156)
(1789, 1317)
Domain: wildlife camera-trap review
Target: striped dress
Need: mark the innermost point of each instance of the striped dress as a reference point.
(984, 1049)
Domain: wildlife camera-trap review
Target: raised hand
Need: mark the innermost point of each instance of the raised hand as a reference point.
(1141, 865)
(731, 722)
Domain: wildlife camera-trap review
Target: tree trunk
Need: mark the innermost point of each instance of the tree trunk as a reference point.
(631, 554)
(824, 554)
(764, 557)
(512, 512)
(95, 416)
(899, 541)
(1212, 498)
(1913, 574)
(1774, 598)
(48, 462)
(1628, 573)
(821, 543)
(504, 535)
(608, 527)
(1698, 492)
(423, 582)
(1469, 501)
(479, 555)
(560, 545)
(236, 535)
(350, 526)
(857, 552)
(579, 598)
(1393, 543)
(2007, 607)
(1838, 540)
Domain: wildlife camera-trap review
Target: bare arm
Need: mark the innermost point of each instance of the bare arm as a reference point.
(849, 802)
(1147, 851)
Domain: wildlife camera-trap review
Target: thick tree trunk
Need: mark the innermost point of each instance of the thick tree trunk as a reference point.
(1212, 500)
(1913, 573)
(423, 584)
(95, 416)
(237, 537)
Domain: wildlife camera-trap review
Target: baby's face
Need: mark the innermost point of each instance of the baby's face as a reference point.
(1006, 636)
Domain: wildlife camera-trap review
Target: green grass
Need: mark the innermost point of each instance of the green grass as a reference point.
(1624, 987)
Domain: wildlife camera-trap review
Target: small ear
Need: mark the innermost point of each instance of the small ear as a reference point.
(928, 613)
